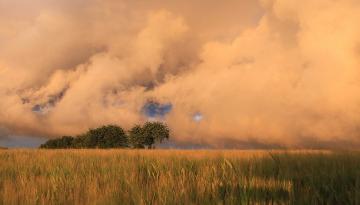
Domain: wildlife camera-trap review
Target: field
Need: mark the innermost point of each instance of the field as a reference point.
(178, 177)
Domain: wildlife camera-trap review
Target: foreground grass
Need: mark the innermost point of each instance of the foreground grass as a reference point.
(178, 177)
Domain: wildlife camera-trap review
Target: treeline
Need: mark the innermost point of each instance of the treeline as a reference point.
(113, 136)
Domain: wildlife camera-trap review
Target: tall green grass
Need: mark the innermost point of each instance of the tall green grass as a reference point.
(178, 177)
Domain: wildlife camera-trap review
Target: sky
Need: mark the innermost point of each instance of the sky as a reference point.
(233, 74)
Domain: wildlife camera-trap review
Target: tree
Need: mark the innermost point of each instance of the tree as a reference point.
(78, 142)
(154, 132)
(110, 136)
(136, 137)
(114, 136)
(64, 142)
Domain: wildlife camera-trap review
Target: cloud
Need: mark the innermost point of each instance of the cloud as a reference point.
(272, 73)
(3, 133)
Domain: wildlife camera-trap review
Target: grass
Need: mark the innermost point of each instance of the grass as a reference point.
(178, 177)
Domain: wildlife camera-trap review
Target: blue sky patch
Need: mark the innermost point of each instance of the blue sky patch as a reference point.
(154, 109)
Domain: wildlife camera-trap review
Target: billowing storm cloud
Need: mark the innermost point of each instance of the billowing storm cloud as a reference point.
(240, 73)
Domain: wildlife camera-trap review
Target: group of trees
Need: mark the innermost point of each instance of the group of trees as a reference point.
(112, 136)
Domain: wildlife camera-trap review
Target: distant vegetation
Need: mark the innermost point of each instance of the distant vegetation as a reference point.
(113, 136)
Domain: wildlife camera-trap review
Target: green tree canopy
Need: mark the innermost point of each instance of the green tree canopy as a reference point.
(136, 137)
(61, 143)
(112, 136)
(155, 132)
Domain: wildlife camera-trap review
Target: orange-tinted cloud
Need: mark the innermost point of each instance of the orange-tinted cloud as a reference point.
(269, 73)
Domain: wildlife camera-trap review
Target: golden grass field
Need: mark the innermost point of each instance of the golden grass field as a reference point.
(178, 177)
